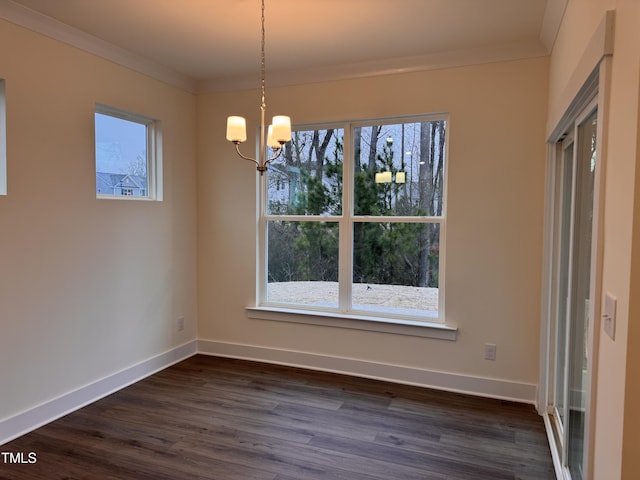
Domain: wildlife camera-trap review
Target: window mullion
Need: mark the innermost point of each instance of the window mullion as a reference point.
(345, 253)
(395, 219)
(261, 245)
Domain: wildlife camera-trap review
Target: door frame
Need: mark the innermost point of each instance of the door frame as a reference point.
(594, 92)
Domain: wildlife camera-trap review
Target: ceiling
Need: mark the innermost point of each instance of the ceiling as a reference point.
(215, 44)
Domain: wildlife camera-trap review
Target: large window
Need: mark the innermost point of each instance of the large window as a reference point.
(128, 155)
(353, 219)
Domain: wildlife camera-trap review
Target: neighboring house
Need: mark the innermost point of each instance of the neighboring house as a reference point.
(121, 184)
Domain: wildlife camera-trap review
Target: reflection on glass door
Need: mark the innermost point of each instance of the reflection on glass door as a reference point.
(571, 258)
(564, 250)
(581, 286)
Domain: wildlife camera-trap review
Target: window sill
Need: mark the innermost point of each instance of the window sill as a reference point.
(355, 322)
(125, 197)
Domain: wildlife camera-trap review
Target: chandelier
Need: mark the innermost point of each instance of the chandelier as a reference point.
(277, 134)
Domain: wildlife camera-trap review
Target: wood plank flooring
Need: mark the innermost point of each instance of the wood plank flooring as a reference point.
(222, 419)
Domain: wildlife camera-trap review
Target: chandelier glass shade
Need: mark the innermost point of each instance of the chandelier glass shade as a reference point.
(275, 136)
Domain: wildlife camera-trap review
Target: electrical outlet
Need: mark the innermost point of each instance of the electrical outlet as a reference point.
(489, 351)
(180, 324)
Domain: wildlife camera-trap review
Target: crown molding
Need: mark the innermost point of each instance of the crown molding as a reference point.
(459, 58)
(52, 28)
(47, 26)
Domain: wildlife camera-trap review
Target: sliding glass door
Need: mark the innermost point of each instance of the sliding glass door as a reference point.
(571, 277)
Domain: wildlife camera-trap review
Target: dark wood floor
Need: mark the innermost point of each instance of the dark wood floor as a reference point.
(213, 418)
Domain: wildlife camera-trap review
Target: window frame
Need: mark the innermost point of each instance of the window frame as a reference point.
(153, 128)
(346, 316)
(3, 138)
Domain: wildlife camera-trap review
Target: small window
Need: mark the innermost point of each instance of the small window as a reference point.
(128, 160)
(3, 141)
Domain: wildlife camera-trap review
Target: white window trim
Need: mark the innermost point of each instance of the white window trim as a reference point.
(415, 328)
(3, 140)
(154, 153)
(358, 320)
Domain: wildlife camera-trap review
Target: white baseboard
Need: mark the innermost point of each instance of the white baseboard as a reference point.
(24, 422)
(29, 420)
(479, 386)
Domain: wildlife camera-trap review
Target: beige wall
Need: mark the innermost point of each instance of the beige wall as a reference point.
(631, 437)
(90, 287)
(571, 49)
(87, 287)
(494, 216)
(617, 423)
(625, 133)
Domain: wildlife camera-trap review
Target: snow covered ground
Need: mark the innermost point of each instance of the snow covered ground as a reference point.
(392, 298)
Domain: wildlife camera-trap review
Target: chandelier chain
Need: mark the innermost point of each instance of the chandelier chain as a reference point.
(262, 62)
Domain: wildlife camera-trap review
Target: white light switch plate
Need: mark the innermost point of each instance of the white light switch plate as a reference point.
(609, 315)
